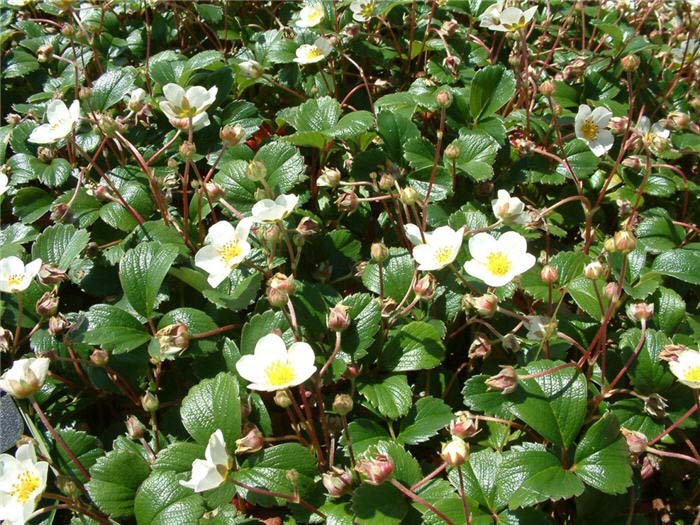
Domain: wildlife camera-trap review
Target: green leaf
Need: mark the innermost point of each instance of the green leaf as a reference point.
(420, 154)
(602, 459)
(679, 264)
(285, 165)
(415, 346)
(669, 310)
(352, 124)
(424, 420)
(178, 457)
(161, 500)
(85, 447)
(582, 291)
(117, 216)
(60, 245)
(114, 329)
(477, 153)
(553, 404)
(397, 273)
(395, 130)
(580, 158)
(268, 470)
(365, 316)
(211, 405)
(657, 233)
(478, 397)
(382, 505)
(569, 265)
(647, 372)
(492, 87)
(480, 476)
(258, 326)
(141, 272)
(364, 433)
(53, 174)
(390, 396)
(197, 322)
(533, 475)
(30, 204)
(114, 480)
(111, 87)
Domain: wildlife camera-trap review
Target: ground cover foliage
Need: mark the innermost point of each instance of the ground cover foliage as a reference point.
(371, 262)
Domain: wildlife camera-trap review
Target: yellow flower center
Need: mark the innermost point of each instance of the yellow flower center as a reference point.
(443, 255)
(313, 53)
(589, 129)
(516, 25)
(186, 111)
(366, 10)
(498, 263)
(26, 484)
(280, 374)
(693, 373)
(230, 251)
(14, 280)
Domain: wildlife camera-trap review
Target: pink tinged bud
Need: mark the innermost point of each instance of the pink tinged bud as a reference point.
(485, 305)
(134, 428)
(611, 290)
(464, 425)
(425, 287)
(444, 98)
(347, 202)
(618, 125)
(625, 241)
(99, 357)
(649, 466)
(337, 481)
(455, 452)
(593, 270)
(480, 347)
(232, 135)
(338, 319)
(251, 442)
(642, 311)
(375, 469)
(58, 324)
(636, 441)
(47, 305)
(506, 380)
(634, 163)
(549, 274)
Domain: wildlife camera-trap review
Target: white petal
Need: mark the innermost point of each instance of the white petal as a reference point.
(603, 143)
(601, 116)
(301, 355)
(424, 254)
(269, 349)
(287, 202)
(324, 45)
(205, 476)
(174, 94)
(57, 111)
(40, 367)
(169, 109)
(481, 245)
(530, 13)
(11, 266)
(511, 15)
(243, 228)
(200, 121)
(523, 263)
(413, 233)
(32, 268)
(512, 242)
(43, 135)
(584, 112)
(209, 260)
(74, 111)
(216, 449)
(267, 210)
(220, 234)
(644, 125)
(477, 269)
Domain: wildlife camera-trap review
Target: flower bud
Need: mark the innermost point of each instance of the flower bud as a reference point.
(444, 98)
(678, 119)
(149, 402)
(5, 340)
(338, 319)
(251, 442)
(44, 154)
(641, 311)
(636, 441)
(136, 99)
(549, 274)
(630, 63)
(347, 202)
(464, 425)
(182, 124)
(58, 325)
(609, 245)
(99, 357)
(485, 305)
(452, 151)
(455, 452)
(480, 347)
(386, 181)
(337, 481)
(625, 241)
(282, 399)
(634, 163)
(449, 27)
(506, 380)
(452, 63)
(379, 252)
(44, 53)
(187, 150)
(388, 307)
(408, 195)
(610, 291)
(13, 119)
(232, 135)
(425, 287)
(593, 270)
(655, 406)
(547, 88)
(251, 69)
(25, 377)
(47, 305)
(618, 125)
(68, 30)
(307, 227)
(173, 339)
(280, 281)
(67, 486)
(329, 178)
(134, 428)
(343, 404)
(375, 469)
(511, 342)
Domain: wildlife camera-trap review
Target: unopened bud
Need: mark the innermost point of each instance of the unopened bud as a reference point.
(44, 154)
(388, 307)
(609, 245)
(386, 181)
(484, 305)
(280, 281)
(337, 481)
(636, 441)
(99, 357)
(84, 93)
(251, 69)
(277, 298)
(282, 399)
(329, 178)
(455, 452)
(47, 305)
(630, 63)
(68, 30)
(425, 287)
(549, 274)
(464, 425)
(641, 311)
(13, 119)
(449, 27)
(408, 195)
(173, 339)
(625, 241)
(338, 319)
(251, 442)
(506, 380)
(511, 342)
(618, 125)
(547, 88)
(375, 469)
(134, 428)
(343, 404)
(232, 135)
(379, 252)
(67, 486)
(634, 163)
(452, 151)
(480, 347)
(187, 150)
(149, 402)
(611, 290)
(678, 119)
(182, 124)
(444, 98)
(58, 325)
(347, 202)
(44, 53)
(655, 406)
(593, 270)
(136, 99)
(307, 227)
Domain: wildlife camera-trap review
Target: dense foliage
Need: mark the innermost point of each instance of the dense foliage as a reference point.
(371, 262)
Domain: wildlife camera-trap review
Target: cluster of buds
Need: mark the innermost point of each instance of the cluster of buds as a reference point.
(464, 425)
(173, 340)
(279, 288)
(506, 380)
(375, 469)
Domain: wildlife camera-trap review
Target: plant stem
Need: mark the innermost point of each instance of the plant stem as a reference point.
(288, 497)
(415, 497)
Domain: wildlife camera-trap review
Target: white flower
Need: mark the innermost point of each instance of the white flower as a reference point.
(25, 377)
(310, 15)
(22, 482)
(212, 471)
(590, 128)
(491, 18)
(655, 136)
(686, 52)
(190, 104)
(274, 367)
(224, 248)
(687, 368)
(498, 261)
(15, 276)
(509, 209)
(136, 99)
(309, 54)
(4, 181)
(362, 10)
(439, 249)
(538, 327)
(268, 210)
(61, 120)
(510, 19)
